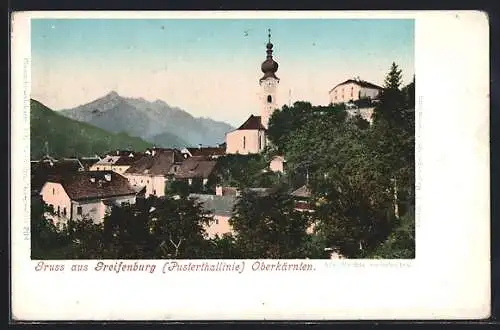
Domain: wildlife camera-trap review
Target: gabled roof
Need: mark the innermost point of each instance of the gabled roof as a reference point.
(108, 160)
(127, 160)
(158, 164)
(87, 162)
(217, 205)
(303, 192)
(253, 122)
(196, 167)
(361, 83)
(41, 170)
(207, 151)
(93, 185)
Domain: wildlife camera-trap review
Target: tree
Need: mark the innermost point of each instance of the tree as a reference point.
(393, 137)
(177, 228)
(400, 244)
(269, 226)
(285, 121)
(46, 241)
(86, 240)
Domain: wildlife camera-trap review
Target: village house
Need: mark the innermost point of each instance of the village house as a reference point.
(233, 191)
(48, 166)
(105, 164)
(208, 152)
(85, 195)
(221, 208)
(302, 198)
(118, 161)
(196, 168)
(153, 170)
(278, 164)
(88, 162)
(353, 90)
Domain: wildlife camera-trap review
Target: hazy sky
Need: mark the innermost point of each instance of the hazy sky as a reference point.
(210, 68)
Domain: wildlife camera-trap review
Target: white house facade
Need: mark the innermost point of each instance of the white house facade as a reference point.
(353, 90)
(153, 171)
(85, 195)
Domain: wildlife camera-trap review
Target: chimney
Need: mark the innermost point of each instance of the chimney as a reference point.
(199, 146)
(107, 177)
(218, 190)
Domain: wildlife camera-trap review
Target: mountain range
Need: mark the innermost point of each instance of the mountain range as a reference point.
(155, 122)
(54, 134)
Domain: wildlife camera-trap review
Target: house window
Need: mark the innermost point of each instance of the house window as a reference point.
(125, 204)
(79, 210)
(53, 191)
(58, 211)
(147, 181)
(154, 192)
(269, 99)
(64, 211)
(352, 91)
(260, 144)
(216, 221)
(244, 142)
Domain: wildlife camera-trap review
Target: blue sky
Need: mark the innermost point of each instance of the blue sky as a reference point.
(210, 67)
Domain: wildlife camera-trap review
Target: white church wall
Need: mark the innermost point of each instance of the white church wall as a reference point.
(244, 142)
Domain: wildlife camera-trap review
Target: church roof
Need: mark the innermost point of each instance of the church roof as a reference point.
(253, 122)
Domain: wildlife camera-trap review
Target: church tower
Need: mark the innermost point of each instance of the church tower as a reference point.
(268, 84)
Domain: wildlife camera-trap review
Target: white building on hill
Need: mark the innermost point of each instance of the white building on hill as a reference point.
(353, 90)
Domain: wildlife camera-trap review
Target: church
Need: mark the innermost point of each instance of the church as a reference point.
(250, 137)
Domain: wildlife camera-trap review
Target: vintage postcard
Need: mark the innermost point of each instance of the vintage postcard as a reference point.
(250, 165)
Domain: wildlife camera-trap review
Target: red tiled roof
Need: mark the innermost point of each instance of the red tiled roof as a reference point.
(125, 160)
(207, 151)
(157, 164)
(303, 206)
(93, 185)
(195, 167)
(253, 122)
(41, 170)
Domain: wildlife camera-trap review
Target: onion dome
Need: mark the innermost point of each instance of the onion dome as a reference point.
(269, 66)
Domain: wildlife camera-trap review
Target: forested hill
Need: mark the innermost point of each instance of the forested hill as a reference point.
(69, 138)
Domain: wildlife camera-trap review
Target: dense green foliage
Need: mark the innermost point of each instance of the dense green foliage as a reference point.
(153, 229)
(245, 171)
(69, 138)
(361, 176)
(269, 226)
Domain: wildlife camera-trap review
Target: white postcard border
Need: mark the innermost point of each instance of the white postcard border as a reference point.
(449, 279)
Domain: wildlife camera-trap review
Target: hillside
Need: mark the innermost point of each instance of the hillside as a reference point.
(152, 121)
(70, 138)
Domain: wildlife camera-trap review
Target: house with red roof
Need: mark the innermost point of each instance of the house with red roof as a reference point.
(88, 194)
